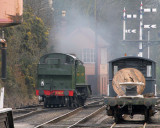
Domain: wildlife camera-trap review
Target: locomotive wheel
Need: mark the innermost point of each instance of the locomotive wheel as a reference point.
(81, 101)
(73, 102)
(69, 102)
(76, 102)
(45, 103)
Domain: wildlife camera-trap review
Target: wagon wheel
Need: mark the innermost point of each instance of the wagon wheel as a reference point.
(74, 103)
(68, 105)
(82, 102)
(49, 105)
(146, 115)
(117, 116)
(45, 103)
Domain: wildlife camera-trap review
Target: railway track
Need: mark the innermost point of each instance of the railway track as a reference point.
(136, 122)
(114, 125)
(133, 125)
(75, 117)
(93, 115)
(35, 117)
(26, 114)
(39, 117)
(26, 111)
(108, 122)
(31, 110)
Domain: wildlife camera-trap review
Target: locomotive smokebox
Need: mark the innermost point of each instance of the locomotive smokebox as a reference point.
(11, 12)
(128, 81)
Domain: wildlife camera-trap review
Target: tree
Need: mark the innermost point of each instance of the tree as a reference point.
(26, 44)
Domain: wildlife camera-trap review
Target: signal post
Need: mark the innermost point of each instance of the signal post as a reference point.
(141, 27)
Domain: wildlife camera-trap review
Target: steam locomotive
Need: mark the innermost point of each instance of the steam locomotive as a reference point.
(132, 87)
(61, 81)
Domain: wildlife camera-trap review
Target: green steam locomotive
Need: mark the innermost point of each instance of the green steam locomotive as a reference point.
(61, 81)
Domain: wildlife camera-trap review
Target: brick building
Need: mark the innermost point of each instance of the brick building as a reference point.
(81, 42)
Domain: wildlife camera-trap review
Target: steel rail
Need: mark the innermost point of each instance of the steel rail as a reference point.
(144, 125)
(112, 126)
(88, 117)
(58, 119)
(27, 114)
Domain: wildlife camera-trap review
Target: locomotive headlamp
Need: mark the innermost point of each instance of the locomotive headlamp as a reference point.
(42, 82)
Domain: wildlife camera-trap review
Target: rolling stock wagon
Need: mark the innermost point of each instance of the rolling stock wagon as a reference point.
(132, 87)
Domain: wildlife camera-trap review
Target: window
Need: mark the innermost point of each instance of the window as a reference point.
(53, 61)
(88, 55)
(149, 70)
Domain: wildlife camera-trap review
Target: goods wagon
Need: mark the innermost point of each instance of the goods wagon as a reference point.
(132, 87)
(61, 81)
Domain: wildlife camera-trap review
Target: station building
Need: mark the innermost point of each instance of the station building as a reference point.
(81, 43)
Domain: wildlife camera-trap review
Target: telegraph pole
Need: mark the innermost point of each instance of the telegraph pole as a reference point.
(148, 44)
(4, 56)
(96, 48)
(124, 24)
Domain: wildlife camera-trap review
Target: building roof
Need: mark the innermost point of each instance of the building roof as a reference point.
(131, 57)
(86, 33)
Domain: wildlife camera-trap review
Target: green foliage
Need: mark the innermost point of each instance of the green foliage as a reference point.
(26, 43)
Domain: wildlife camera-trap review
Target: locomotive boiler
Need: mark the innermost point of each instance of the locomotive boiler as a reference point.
(61, 81)
(132, 87)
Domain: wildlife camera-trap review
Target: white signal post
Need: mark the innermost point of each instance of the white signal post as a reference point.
(127, 16)
(141, 26)
(124, 24)
(1, 97)
(148, 44)
(148, 27)
(140, 31)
